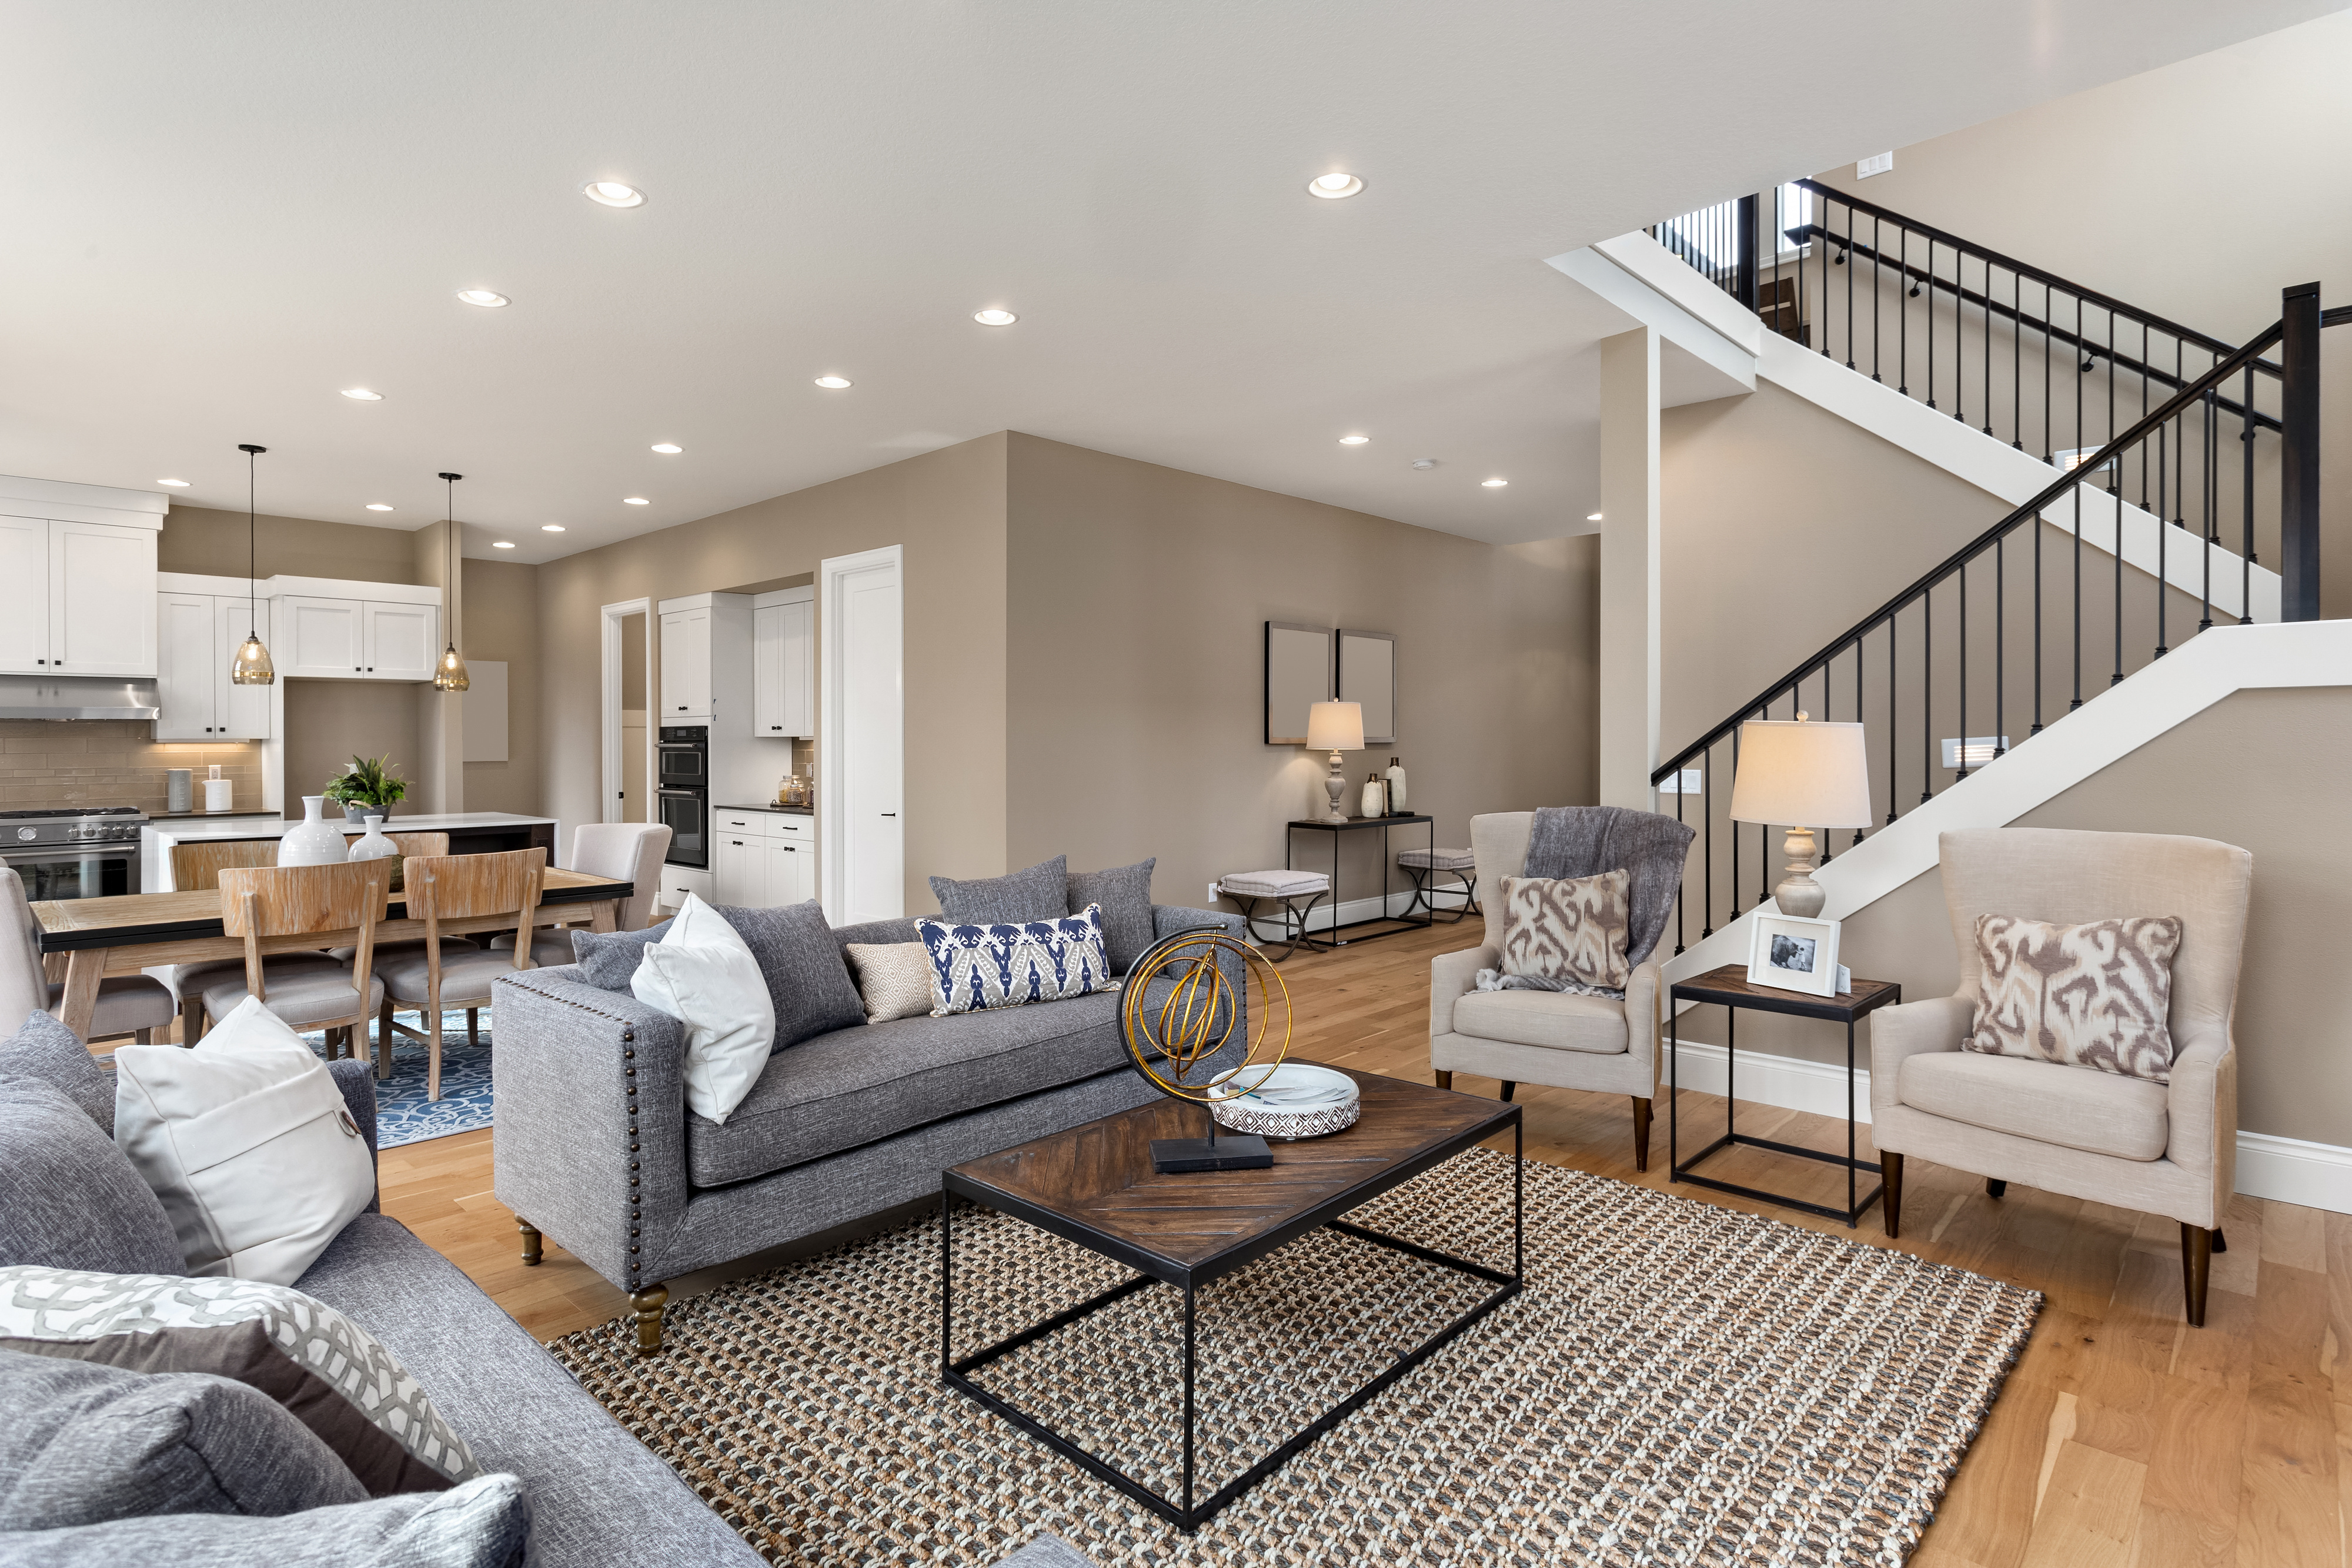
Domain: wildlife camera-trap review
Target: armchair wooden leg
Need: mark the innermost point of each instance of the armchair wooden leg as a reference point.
(2220, 1243)
(1890, 1207)
(2196, 1266)
(1996, 1187)
(531, 1239)
(648, 1304)
(1446, 1081)
(1510, 1087)
(1641, 1133)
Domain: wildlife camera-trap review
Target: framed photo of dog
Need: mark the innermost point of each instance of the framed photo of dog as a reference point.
(1791, 954)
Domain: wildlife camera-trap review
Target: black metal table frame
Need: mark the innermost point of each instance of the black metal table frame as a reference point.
(1186, 1515)
(1404, 921)
(1679, 1169)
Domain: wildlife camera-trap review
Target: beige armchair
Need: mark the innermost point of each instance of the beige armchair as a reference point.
(1552, 1038)
(2168, 1149)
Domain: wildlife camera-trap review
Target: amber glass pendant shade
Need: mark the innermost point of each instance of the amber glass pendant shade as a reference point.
(252, 667)
(450, 675)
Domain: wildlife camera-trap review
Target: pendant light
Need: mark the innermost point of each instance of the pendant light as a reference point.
(450, 675)
(252, 666)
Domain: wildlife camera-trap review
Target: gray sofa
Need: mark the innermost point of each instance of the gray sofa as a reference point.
(599, 1497)
(595, 1146)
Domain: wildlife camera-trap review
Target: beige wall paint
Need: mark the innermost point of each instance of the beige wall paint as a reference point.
(2262, 769)
(329, 722)
(112, 762)
(947, 508)
(502, 622)
(1135, 721)
(199, 539)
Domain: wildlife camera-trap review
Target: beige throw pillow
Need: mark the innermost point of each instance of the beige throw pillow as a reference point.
(2095, 996)
(1570, 928)
(894, 978)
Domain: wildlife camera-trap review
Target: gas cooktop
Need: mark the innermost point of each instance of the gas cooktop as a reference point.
(10, 815)
(69, 825)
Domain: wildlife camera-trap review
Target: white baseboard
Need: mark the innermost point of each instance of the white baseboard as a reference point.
(2315, 1175)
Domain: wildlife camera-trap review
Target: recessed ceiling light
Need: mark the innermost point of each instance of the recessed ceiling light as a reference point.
(502, 544)
(994, 317)
(378, 506)
(361, 394)
(487, 298)
(1424, 463)
(1493, 483)
(1331, 187)
(668, 448)
(1591, 517)
(1353, 440)
(833, 383)
(613, 194)
(551, 528)
(635, 501)
(174, 484)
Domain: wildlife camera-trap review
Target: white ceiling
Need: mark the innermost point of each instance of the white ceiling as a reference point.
(217, 216)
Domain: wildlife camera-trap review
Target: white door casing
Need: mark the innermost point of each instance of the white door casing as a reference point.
(861, 740)
(614, 806)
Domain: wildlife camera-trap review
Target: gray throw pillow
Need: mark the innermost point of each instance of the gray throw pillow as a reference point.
(608, 959)
(808, 974)
(45, 1048)
(486, 1524)
(1124, 895)
(87, 1444)
(69, 1198)
(1041, 892)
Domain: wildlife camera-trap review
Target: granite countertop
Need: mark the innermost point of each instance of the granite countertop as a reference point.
(771, 806)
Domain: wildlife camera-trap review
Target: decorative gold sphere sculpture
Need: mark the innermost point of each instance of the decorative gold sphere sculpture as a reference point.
(1197, 1017)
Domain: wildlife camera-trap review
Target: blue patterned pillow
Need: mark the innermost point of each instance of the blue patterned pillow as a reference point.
(978, 966)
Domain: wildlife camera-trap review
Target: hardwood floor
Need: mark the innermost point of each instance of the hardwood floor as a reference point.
(2123, 1436)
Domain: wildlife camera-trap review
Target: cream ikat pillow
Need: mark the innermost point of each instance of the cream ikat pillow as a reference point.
(1569, 929)
(2096, 995)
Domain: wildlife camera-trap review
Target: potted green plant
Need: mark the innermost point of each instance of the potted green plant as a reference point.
(369, 790)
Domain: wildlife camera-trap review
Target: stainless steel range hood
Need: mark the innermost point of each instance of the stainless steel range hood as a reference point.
(65, 697)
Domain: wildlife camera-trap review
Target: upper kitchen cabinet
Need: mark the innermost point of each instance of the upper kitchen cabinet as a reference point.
(357, 639)
(400, 641)
(65, 580)
(706, 660)
(25, 567)
(197, 637)
(784, 664)
(684, 665)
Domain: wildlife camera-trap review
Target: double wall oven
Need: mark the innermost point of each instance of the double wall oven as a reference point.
(682, 795)
(74, 852)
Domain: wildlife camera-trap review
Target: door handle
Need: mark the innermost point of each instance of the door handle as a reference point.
(889, 813)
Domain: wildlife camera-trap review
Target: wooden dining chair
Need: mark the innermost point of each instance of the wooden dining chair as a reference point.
(127, 1004)
(430, 978)
(407, 845)
(196, 868)
(273, 908)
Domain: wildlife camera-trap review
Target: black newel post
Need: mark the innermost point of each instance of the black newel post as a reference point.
(2299, 455)
(1749, 206)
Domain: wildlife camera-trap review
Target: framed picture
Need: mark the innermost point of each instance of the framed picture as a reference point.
(1367, 675)
(1790, 954)
(1298, 676)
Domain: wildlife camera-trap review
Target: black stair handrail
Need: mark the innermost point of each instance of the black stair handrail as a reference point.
(2239, 361)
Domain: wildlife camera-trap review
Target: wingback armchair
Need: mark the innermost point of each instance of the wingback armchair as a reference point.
(2163, 1149)
(1552, 1038)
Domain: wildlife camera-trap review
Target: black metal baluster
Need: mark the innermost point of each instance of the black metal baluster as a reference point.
(1848, 259)
(2016, 363)
(1963, 758)
(1858, 718)
(2246, 571)
(1706, 826)
(2049, 452)
(2163, 532)
(1999, 648)
(1987, 372)
(1928, 686)
(1892, 733)
(1684, 878)
(2037, 621)
(1876, 250)
(1733, 827)
(1903, 316)
(1931, 320)
(2077, 493)
(2115, 500)
(1764, 830)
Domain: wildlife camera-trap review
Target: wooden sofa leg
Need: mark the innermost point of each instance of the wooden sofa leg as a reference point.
(2196, 1266)
(1446, 1081)
(1641, 1133)
(1510, 1087)
(531, 1239)
(1891, 1204)
(649, 1302)
(1996, 1187)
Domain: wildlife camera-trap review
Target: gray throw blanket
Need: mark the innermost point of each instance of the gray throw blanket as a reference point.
(1585, 840)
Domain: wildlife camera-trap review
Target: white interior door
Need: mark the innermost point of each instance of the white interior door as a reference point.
(863, 750)
(25, 566)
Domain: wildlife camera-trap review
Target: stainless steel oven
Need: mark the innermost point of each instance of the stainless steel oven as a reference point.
(73, 851)
(683, 799)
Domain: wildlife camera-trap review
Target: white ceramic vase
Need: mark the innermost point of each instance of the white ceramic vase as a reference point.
(1396, 785)
(314, 841)
(373, 845)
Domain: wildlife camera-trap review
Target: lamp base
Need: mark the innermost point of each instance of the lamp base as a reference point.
(1336, 785)
(1799, 896)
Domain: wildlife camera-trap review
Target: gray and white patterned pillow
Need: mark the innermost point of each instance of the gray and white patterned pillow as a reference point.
(1571, 929)
(2096, 995)
(975, 967)
(328, 1371)
(895, 979)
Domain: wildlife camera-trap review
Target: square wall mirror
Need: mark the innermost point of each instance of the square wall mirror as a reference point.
(1367, 675)
(1298, 676)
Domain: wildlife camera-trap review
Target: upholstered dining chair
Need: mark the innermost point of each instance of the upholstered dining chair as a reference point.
(429, 978)
(2162, 1148)
(633, 850)
(1553, 1038)
(273, 908)
(127, 1004)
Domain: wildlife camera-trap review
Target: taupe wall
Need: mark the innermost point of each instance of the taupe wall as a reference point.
(199, 539)
(329, 722)
(501, 602)
(1135, 719)
(947, 509)
(2262, 769)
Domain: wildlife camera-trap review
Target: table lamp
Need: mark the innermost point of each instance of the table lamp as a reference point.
(1336, 727)
(1793, 771)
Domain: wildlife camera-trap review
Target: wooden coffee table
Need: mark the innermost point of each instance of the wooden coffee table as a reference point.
(1095, 1186)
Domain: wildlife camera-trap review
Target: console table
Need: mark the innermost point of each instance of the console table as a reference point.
(1397, 924)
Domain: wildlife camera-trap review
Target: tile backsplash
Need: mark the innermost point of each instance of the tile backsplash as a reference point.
(112, 762)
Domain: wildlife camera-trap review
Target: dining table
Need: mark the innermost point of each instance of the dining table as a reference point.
(122, 935)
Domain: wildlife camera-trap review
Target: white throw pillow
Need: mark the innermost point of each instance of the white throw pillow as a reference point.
(247, 1141)
(701, 973)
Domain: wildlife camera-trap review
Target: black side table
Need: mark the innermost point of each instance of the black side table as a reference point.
(1398, 924)
(1727, 987)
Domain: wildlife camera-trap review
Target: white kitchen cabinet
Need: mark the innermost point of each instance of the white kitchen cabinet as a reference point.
(198, 636)
(791, 879)
(239, 713)
(686, 665)
(741, 864)
(763, 858)
(784, 664)
(325, 638)
(399, 642)
(24, 571)
(68, 584)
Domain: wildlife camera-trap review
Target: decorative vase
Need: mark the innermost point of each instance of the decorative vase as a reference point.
(314, 841)
(1396, 787)
(361, 811)
(1375, 797)
(373, 845)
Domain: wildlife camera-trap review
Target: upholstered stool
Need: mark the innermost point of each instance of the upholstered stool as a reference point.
(1425, 867)
(1293, 893)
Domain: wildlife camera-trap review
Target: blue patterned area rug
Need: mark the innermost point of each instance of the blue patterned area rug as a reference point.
(403, 1114)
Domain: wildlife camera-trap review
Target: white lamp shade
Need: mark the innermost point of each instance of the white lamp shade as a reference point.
(1335, 727)
(1801, 775)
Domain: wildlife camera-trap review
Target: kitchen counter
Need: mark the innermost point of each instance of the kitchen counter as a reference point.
(781, 810)
(202, 816)
(503, 829)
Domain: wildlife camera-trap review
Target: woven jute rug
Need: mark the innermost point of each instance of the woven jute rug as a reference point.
(1678, 1383)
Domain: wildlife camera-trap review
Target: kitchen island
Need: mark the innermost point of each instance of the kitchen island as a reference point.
(470, 833)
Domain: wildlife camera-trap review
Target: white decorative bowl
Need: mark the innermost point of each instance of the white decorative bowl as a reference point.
(1297, 1100)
